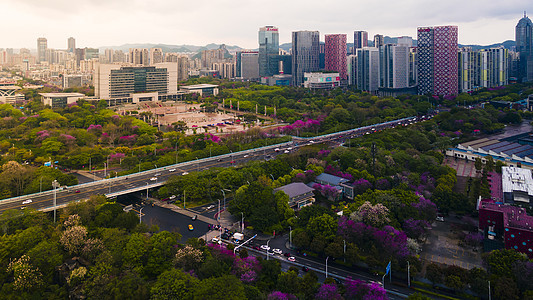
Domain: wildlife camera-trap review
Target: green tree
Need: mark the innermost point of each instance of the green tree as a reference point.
(174, 284)
(221, 288)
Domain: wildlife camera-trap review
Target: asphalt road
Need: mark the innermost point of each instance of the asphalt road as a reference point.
(155, 177)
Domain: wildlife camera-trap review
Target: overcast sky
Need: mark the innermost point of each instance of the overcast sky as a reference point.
(97, 23)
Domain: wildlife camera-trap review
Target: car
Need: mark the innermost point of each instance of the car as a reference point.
(157, 174)
(277, 149)
(23, 207)
(291, 258)
(286, 151)
(246, 156)
(441, 219)
(172, 197)
(210, 207)
(191, 228)
(270, 252)
(305, 269)
(77, 191)
(153, 178)
(311, 142)
(277, 251)
(27, 201)
(220, 159)
(194, 217)
(287, 254)
(216, 241)
(184, 173)
(172, 170)
(265, 247)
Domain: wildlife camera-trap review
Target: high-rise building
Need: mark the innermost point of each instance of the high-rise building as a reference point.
(335, 54)
(139, 56)
(268, 51)
(156, 55)
(360, 40)
(209, 57)
(367, 69)
(305, 54)
(524, 46)
(486, 68)
(394, 66)
(437, 60)
(379, 40)
(405, 41)
(248, 65)
(42, 45)
(71, 43)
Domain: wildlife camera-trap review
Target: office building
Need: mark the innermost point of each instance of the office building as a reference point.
(405, 41)
(524, 46)
(248, 65)
(360, 40)
(156, 55)
(42, 45)
(71, 43)
(59, 100)
(133, 84)
(9, 92)
(367, 69)
(437, 60)
(394, 66)
(335, 54)
(305, 54)
(379, 40)
(268, 51)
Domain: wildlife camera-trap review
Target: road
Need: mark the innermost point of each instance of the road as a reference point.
(157, 177)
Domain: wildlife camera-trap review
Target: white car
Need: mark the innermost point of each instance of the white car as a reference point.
(265, 247)
(277, 251)
(157, 174)
(172, 170)
(153, 178)
(216, 241)
(184, 173)
(172, 197)
(246, 156)
(27, 201)
(286, 151)
(291, 258)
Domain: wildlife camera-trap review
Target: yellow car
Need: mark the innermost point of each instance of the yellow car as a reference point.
(190, 227)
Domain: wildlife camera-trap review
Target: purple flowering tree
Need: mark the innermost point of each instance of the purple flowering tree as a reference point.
(427, 210)
(328, 292)
(361, 186)
(415, 228)
(276, 295)
(246, 268)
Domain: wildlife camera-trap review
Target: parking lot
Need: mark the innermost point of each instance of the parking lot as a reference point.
(442, 247)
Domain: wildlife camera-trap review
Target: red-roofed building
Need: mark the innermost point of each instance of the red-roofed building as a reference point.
(508, 224)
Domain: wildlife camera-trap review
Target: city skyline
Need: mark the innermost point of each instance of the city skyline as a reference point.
(177, 22)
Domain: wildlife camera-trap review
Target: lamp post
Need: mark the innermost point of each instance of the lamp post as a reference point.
(290, 237)
(41, 185)
(183, 199)
(242, 222)
(90, 166)
(55, 185)
(105, 170)
(272, 177)
(176, 151)
(197, 165)
(140, 161)
(146, 191)
(140, 214)
(225, 196)
(267, 248)
(327, 266)
(489, 290)
(408, 274)
(218, 215)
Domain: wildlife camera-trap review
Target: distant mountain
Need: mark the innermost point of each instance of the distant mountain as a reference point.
(507, 45)
(170, 48)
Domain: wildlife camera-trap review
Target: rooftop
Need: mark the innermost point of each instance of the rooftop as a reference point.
(513, 217)
(198, 86)
(62, 94)
(517, 180)
(331, 179)
(294, 189)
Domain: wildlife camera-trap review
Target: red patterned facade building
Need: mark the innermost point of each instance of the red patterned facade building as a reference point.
(335, 54)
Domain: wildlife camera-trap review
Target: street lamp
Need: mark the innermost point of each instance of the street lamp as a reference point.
(242, 222)
(146, 191)
(140, 161)
(41, 185)
(197, 165)
(290, 237)
(327, 266)
(409, 275)
(267, 248)
(55, 185)
(223, 193)
(218, 215)
(140, 214)
(176, 151)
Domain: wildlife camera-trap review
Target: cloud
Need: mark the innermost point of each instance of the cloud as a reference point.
(97, 23)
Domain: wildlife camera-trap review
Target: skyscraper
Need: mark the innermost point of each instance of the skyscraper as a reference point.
(379, 40)
(268, 51)
(156, 55)
(360, 40)
(524, 46)
(71, 44)
(437, 60)
(367, 69)
(42, 45)
(305, 54)
(394, 66)
(139, 56)
(335, 50)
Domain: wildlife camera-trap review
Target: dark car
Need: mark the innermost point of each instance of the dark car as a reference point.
(305, 269)
(77, 191)
(287, 254)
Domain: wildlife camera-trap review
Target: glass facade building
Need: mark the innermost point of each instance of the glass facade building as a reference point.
(305, 54)
(129, 80)
(524, 46)
(268, 51)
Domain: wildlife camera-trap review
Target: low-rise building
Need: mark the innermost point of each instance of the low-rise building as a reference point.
(321, 80)
(60, 99)
(517, 185)
(506, 226)
(203, 90)
(300, 195)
